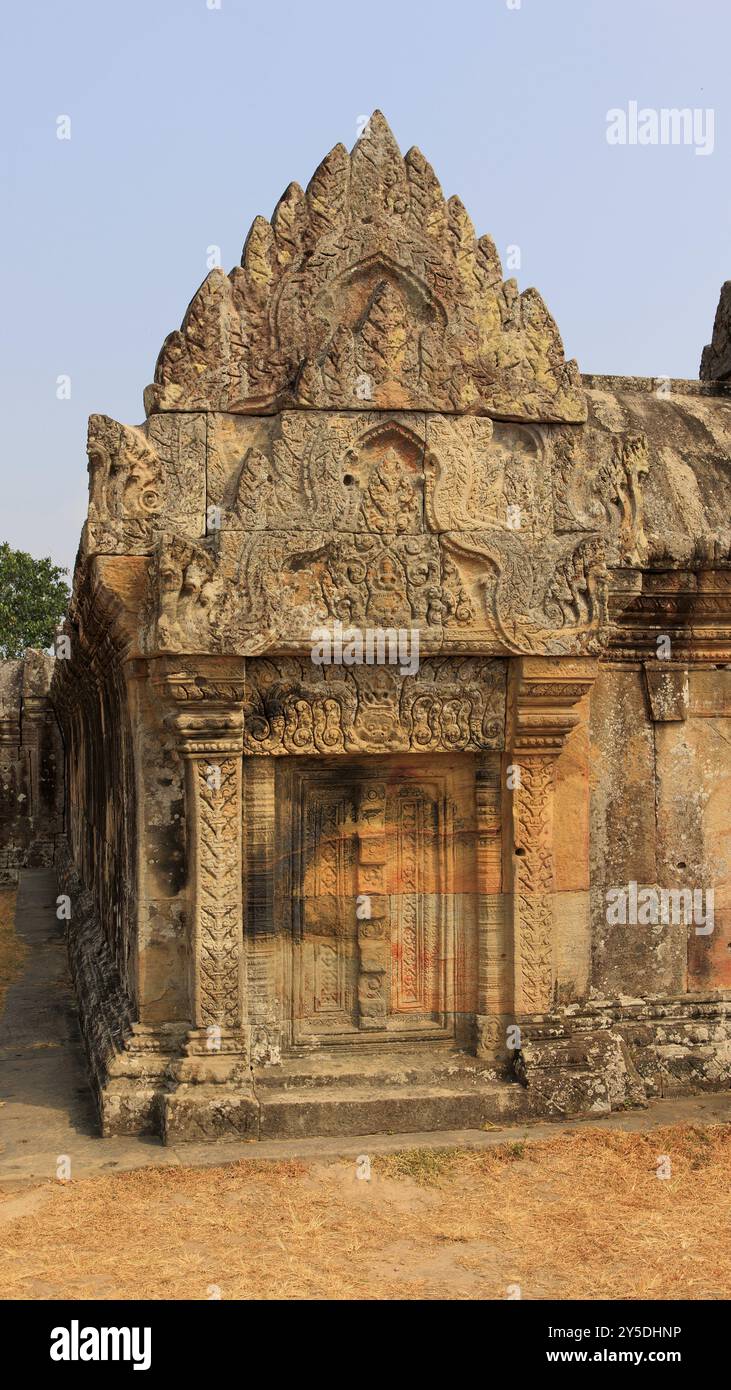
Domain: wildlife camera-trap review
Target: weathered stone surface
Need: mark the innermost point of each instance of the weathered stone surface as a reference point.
(373, 891)
(578, 1072)
(667, 691)
(716, 356)
(367, 291)
(142, 480)
(31, 775)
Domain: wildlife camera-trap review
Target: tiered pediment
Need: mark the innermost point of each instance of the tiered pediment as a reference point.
(369, 290)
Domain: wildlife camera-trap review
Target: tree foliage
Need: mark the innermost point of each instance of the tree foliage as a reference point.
(33, 599)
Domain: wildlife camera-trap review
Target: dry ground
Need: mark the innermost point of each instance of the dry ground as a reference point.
(583, 1215)
(12, 950)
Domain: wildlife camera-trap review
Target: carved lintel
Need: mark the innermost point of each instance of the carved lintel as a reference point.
(451, 705)
(544, 695)
(210, 740)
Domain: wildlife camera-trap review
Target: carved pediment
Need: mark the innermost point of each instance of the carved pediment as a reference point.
(483, 535)
(368, 291)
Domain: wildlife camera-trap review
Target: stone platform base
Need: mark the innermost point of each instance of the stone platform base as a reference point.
(609, 1054)
(330, 1094)
(559, 1072)
(609, 1058)
(587, 1059)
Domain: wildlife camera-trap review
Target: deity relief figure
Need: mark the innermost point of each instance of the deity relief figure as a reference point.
(391, 503)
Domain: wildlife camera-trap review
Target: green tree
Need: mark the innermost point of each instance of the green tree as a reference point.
(33, 599)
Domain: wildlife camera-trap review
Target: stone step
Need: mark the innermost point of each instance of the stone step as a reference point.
(342, 1110)
(364, 1066)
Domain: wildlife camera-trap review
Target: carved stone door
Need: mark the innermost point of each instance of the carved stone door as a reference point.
(373, 907)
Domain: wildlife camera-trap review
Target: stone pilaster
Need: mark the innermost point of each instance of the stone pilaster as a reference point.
(35, 714)
(209, 736)
(542, 698)
(210, 740)
(493, 965)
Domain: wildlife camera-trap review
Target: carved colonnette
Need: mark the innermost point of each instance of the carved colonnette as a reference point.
(265, 862)
(494, 965)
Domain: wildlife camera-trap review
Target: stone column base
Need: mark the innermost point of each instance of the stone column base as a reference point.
(211, 1095)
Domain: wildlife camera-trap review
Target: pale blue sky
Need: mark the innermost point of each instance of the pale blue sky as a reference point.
(188, 121)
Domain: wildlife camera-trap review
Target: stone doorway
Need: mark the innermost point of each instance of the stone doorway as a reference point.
(381, 897)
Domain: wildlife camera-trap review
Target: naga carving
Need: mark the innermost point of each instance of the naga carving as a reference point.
(546, 597)
(124, 485)
(605, 493)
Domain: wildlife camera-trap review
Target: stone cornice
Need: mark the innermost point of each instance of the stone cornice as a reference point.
(692, 608)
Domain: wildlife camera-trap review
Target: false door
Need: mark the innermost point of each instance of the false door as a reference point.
(373, 903)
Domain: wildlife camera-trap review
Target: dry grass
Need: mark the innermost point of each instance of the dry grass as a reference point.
(12, 949)
(583, 1215)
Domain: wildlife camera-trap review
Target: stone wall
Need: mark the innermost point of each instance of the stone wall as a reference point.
(661, 816)
(365, 427)
(31, 767)
(94, 708)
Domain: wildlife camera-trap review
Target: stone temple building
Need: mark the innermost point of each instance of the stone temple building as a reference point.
(397, 711)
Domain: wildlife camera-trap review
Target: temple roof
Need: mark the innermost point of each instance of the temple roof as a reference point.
(369, 290)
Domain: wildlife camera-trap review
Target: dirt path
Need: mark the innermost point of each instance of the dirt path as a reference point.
(540, 1212)
(584, 1215)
